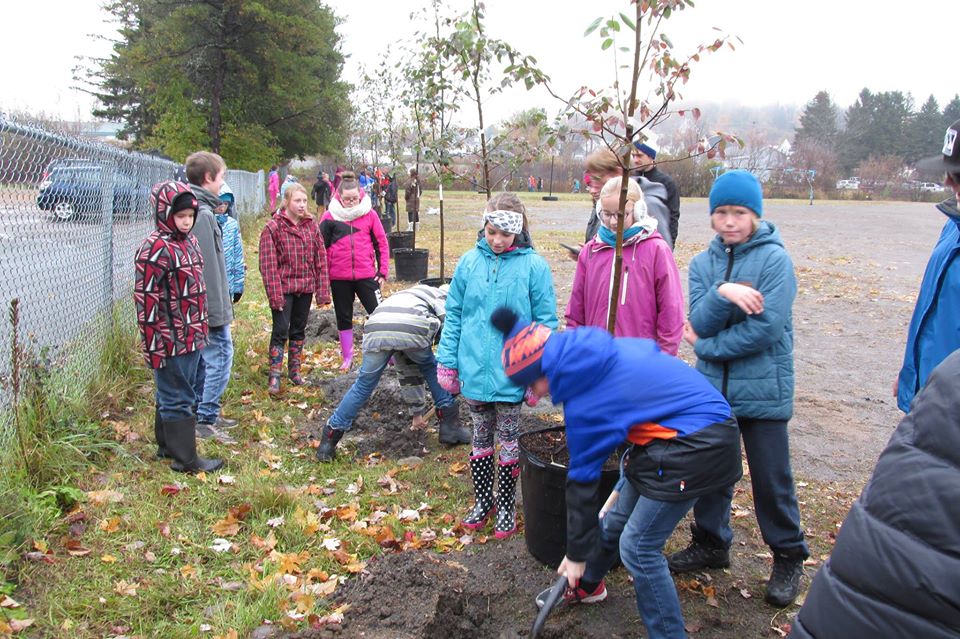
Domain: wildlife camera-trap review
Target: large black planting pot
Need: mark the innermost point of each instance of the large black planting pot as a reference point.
(543, 485)
(400, 239)
(411, 263)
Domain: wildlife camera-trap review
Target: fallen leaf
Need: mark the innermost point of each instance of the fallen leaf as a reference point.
(163, 528)
(457, 468)
(18, 625)
(108, 559)
(74, 549)
(409, 515)
(331, 543)
(105, 496)
(188, 572)
(8, 602)
(220, 545)
(231, 634)
(171, 489)
(226, 479)
(111, 525)
(276, 522)
(745, 593)
(355, 487)
(125, 589)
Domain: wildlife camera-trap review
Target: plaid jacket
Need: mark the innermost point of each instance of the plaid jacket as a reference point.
(293, 259)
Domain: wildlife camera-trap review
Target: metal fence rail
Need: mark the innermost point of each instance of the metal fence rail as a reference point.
(72, 213)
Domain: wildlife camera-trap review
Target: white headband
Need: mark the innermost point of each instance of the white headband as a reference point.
(506, 221)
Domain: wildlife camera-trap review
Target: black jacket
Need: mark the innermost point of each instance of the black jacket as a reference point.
(321, 192)
(895, 569)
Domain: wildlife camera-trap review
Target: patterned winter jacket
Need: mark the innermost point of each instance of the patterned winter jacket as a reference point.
(356, 250)
(293, 259)
(168, 290)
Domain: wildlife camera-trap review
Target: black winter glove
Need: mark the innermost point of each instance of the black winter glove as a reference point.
(236, 297)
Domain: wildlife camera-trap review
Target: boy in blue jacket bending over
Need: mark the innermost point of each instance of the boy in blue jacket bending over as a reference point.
(685, 443)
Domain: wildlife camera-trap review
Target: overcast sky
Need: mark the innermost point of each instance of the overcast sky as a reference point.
(791, 49)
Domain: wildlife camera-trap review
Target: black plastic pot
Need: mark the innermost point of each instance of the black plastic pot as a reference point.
(400, 239)
(411, 263)
(387, 225)
(543, 485)
(435, 282)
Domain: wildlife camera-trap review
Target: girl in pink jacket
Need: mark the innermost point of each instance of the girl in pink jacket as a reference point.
(651, 298)
(357, 256)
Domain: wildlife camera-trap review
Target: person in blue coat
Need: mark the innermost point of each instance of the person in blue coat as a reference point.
(503, 270)
(741, 328)
(685, 446)
(232, 243)
(934, 329)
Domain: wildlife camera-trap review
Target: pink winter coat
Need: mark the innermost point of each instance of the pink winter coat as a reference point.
(651, 297)
(356, 250)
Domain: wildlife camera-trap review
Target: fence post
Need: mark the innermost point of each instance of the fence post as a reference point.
(108, 178)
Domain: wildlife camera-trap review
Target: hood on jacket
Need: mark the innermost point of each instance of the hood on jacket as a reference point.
(767, 233)
(226, 195)
(162, 199)
(206, 197)
(587, 356)
(950, 208)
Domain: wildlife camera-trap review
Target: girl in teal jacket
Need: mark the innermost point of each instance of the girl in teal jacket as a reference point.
(503, 270)
(741, 305)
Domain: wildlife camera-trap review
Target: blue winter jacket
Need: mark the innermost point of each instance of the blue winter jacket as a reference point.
(934, 330)
(519, 279)
(232, 252)
(749, 358)
(624, 389)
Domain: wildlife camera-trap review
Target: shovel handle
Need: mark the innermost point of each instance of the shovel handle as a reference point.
(610, 503)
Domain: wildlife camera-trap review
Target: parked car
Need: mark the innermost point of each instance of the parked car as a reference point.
(931, 187)
(72, 189)
(847, 184)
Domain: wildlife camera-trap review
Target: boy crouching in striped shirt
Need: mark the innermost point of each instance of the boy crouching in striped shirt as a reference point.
(404, 326)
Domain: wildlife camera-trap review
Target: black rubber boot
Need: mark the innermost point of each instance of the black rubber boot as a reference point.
(703, 552)
(784, 584)
(481, 469)
(451, 432)
(506, 523)
(329, 438)
(162, 452)
(181, 438)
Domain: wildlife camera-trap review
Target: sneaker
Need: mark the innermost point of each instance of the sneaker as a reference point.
(575, 595)
(225, 423)
(698, 556)
(206, 430)
(784, 584)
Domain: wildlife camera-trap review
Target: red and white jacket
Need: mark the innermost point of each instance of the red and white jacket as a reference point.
(168, 289)
(293, 259)
(356, 248)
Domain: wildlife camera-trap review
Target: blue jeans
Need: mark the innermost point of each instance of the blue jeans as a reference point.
(213, 373)
(374, 363)
(392, 212)
(647, 529)
(774, 497)
(175, 386)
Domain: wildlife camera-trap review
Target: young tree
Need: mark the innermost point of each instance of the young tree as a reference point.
(818, 122)
(618, 116)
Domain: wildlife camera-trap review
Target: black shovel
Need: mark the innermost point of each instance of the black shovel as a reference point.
(553, 598)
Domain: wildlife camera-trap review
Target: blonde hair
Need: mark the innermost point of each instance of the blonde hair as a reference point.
(612, 186)
(291, 189)
(602, 162)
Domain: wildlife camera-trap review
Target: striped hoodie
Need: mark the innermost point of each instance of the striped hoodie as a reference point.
(408, 319)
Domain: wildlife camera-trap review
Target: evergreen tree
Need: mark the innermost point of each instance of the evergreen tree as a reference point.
(875, 126)
(255, 80)
(951, 112)
(925, 131)
(818, 122)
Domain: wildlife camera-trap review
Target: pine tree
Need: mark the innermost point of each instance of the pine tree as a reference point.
(951, 112)
(925, 131)
(818, 122)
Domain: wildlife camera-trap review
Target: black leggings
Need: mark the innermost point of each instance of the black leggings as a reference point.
(292, 320)
(343, 292)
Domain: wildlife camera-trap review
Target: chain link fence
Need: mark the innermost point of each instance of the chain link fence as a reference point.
(72, 213)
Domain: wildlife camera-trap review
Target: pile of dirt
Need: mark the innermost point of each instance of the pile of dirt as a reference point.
(322, 327)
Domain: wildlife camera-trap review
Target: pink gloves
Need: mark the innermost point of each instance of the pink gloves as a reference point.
(449, 381)
(530, 398)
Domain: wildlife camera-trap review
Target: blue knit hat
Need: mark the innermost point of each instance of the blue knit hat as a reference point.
(646, 148)
(737, 188)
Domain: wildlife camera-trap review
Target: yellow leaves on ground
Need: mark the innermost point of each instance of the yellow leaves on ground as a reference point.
(125, 589)
(230, 525)
(111, 525)
(14, 626)
(308, 521)
(457, 468)
(101, 497)
(231, 634)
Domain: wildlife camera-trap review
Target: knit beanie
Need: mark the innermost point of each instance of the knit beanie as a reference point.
(523, 345)
(183, 201)
(646, 149)
(737, 188)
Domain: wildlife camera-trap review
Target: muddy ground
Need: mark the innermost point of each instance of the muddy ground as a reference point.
(859, 266)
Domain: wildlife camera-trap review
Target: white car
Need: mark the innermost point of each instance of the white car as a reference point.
(931, 187)
(847, 184)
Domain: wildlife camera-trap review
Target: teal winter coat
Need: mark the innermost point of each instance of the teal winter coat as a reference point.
(749, 358)
(519, 279)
